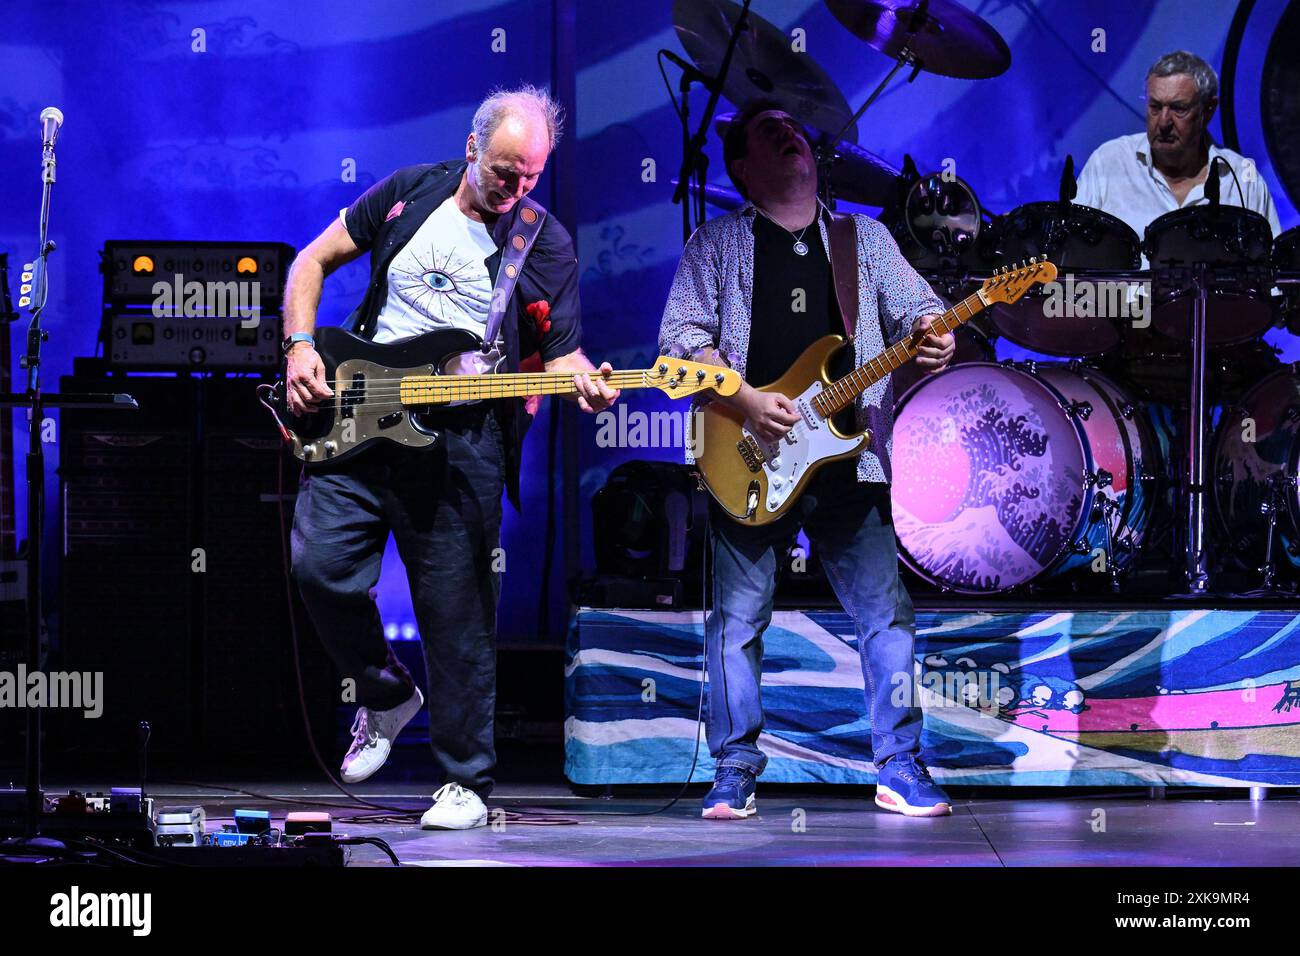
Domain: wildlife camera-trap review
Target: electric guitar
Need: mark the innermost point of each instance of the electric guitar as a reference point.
(755, 481)
(391, 392)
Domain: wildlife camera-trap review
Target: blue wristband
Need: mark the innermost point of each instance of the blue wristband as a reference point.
(297, 337)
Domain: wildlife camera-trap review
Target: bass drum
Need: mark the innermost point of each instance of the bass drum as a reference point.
(1256, 458)
(1004, 476)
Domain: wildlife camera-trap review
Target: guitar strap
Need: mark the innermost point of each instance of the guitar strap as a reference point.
(843, 235)
(527, 226)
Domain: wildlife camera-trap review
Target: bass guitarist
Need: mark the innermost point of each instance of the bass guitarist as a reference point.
(758, 283)
(446, 241)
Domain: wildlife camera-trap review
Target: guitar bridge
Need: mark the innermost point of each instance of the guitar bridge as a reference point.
(750, 453)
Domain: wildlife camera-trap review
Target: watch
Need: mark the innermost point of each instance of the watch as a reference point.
(297, 337)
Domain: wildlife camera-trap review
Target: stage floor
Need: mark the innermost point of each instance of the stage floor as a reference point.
(804, 827)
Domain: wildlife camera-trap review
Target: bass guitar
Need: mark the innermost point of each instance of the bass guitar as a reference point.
(391, 392)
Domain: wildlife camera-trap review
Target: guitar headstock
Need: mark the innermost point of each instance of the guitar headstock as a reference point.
(678, 377)
(1010, 283)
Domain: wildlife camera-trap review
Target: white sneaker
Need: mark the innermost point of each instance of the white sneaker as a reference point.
(373, 733)
(454, 808)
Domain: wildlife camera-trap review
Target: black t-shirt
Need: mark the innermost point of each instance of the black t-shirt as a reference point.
(784, 282)
(386, 217)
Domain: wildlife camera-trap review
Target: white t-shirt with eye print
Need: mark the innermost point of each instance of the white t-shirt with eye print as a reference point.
(439, 280)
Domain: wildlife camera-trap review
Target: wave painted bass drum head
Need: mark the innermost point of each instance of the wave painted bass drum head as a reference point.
(988, 478)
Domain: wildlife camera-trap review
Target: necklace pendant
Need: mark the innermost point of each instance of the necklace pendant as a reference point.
(800, 248)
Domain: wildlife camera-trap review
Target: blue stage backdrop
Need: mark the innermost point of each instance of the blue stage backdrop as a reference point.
(245, 120)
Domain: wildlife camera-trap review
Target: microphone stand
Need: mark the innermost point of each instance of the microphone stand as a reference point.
(36, 402)
(695, 163)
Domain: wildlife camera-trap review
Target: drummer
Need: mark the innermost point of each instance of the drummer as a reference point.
(1140, 177)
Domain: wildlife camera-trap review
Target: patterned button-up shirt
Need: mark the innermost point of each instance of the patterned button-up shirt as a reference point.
(710, 301)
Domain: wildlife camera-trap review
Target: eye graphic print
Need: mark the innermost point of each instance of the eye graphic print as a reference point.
(439, 281)
(430, 284)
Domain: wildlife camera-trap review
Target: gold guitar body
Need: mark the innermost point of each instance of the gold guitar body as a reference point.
(756, 482)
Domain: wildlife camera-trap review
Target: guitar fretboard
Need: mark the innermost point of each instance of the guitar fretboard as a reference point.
(441, 389)
(841, 393)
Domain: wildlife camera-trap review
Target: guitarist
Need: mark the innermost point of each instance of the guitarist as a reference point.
(437, 235)
(757, 284)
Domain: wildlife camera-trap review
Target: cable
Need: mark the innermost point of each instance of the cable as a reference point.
(659, 57)
(704, 673)
(297, 658)
(390, 813)
(400, 815)
(373, 841)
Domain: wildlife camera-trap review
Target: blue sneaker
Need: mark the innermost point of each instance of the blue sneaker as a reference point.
(904, 786)
(732, 796)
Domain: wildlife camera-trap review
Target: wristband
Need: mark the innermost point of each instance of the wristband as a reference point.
(295, 338)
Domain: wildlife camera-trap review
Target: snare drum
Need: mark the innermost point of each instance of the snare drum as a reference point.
(1073, 237)
(1235, 244)
(1008, 475)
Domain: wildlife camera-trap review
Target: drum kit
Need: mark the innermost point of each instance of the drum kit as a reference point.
(1151, 444)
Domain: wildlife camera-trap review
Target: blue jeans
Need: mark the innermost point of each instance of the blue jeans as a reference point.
(850, 524)
(443, 507)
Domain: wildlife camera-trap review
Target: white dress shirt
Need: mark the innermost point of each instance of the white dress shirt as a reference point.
(1120, 178)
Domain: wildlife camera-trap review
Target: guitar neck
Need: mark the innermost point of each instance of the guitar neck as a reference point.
(841, 394)
(441, 389)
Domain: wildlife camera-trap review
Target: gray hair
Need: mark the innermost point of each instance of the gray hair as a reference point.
(519, 101)
(1181, 62)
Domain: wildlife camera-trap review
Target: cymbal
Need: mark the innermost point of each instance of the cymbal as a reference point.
(763, 66)
(946, 38)
(857, 174)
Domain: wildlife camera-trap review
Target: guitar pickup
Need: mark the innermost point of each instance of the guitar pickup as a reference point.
(750, 453)
(810, 417)
(354, 396)
(389, 420)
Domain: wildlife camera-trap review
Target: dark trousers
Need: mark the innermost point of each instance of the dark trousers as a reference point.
(443, 507)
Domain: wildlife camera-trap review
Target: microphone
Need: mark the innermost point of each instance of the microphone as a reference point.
(51, 122)
(691, 71)
(1212, 182)
(1069, 188)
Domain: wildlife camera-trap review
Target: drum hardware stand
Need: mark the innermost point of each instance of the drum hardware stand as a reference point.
(1104, 510)
(825, 154)
(1270, 508)
(1196, 578)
